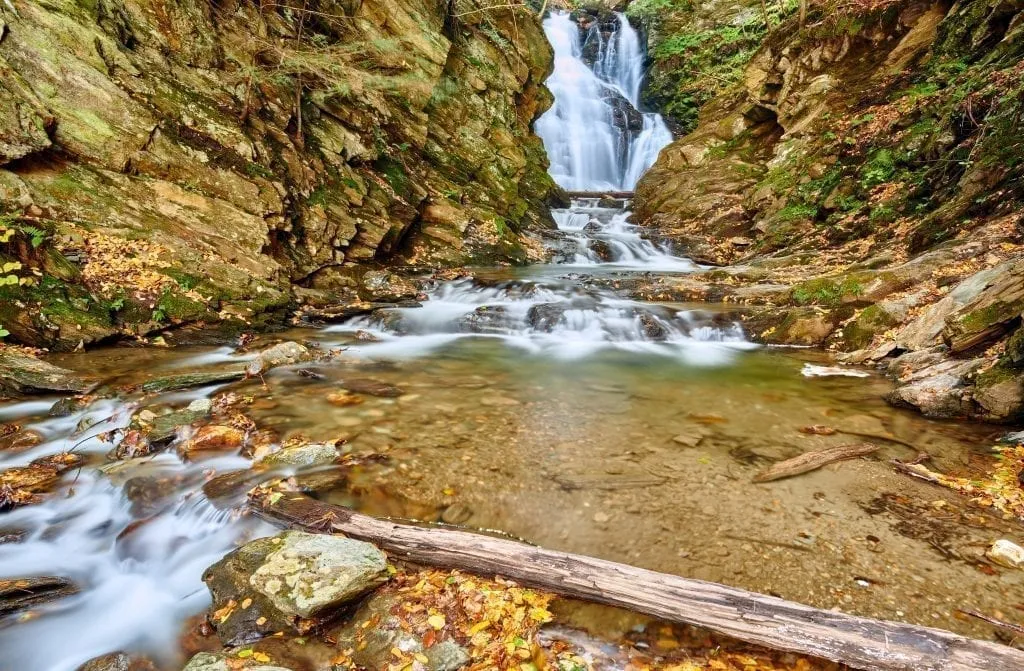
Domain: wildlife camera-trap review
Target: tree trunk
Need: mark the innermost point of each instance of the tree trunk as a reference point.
(755, 618)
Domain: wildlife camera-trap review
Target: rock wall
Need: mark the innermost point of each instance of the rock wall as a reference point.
(862, 186)
(168, 161)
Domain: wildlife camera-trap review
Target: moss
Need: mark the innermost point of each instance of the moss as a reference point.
(178, 307)
(826, 291)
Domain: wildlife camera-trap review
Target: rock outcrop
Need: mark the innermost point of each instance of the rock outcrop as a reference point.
(861, 183)
(169, 162)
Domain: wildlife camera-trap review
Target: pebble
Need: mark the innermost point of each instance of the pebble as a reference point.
(1006, 553)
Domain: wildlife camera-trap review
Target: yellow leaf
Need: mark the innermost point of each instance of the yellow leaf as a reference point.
(478, 627)
(245, 653)
(421, 658)
(261, 657)
(540, 614)
(275, 497)
(436, 621)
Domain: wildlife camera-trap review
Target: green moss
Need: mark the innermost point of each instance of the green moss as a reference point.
(826, 291)
(797, 212)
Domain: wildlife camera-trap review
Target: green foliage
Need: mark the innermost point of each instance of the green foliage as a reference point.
(797, 212)
(3, 332)
(501, 226)
(652, 12)
(878, 169)
(826, 291)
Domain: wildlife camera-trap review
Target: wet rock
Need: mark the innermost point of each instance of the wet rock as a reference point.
(283, 354)
(456, 513)
(118, 661)
(486, 319)
(68, 406)
(374, 631)
(17, 594)
(23, 374)
(371, 387)
(602, 250)
(219, 661)
(149, 494)
(291, 581)
(190, 380)
(314, 454)
(23, 485)
(344, 398)
(148, 431)
(386, 287)
(651, 327)
(1006, 553)
(18, 440)
(213, 437)
(688, 438)
(792, 326)
(939, 388)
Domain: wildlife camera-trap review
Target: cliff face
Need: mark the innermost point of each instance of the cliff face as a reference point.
(179, 160)
(862, 185)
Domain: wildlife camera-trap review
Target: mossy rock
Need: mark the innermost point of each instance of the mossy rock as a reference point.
(872, 321)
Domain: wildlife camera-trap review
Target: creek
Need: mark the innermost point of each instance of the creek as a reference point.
(538, 401)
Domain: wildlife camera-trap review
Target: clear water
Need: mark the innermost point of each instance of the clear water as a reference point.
(553, 407)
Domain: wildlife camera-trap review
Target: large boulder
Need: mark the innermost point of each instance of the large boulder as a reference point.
(932, 384)
(292, 581)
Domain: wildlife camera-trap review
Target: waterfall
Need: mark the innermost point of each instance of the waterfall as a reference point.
(596, 138)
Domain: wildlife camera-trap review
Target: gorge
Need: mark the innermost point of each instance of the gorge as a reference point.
(385, 254)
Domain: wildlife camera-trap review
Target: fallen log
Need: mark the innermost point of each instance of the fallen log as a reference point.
(755, 618)
(809, 461)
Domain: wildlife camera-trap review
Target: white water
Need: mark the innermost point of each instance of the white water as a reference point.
(588, 152)
(137, 582)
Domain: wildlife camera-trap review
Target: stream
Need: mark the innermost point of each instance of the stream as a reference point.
(537, 401)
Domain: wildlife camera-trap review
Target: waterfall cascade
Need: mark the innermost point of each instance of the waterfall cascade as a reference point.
(595, 136)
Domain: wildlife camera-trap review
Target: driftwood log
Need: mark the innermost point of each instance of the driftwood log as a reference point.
(755, 618)
(809, 461)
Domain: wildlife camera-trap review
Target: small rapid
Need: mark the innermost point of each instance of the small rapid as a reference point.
(551, 310)
(596, 137)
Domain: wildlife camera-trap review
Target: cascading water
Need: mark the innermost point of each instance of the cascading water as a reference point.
(591, 142)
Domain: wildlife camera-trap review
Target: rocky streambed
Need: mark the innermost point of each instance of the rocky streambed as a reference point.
(543, 403)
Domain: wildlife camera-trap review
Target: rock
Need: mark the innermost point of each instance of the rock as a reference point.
(23, 485)
(456, 513)
(386, 287)
(371, 387)
(999, 392)
(938, 390)
(213, 437)
(18, 440)
(283, 354)
(291, 581)
(602, 250)
(17, 594)
(486, 319)
(1006, 553)
(924, 331)
(314, 454)
(148, 430)
(197, 379)
(372, 645)
(118, 661)
(23, 374)
(219, 661)
(344, 398)
(68, 406)
(651, 328)
(689, 439)
(990, 313)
